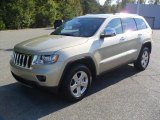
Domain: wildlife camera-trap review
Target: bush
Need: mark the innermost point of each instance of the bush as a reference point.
(2, 25)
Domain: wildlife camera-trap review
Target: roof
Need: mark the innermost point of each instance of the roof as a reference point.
(126, 15)
(97, 15)
(108, 15)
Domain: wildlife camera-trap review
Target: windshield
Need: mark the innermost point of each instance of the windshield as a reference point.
(80, 27)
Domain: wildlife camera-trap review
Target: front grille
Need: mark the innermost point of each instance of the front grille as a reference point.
(22, 60)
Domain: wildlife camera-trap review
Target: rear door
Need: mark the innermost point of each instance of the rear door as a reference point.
(144, 32)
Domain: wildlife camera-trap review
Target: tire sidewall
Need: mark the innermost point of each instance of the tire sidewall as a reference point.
(68, 78)
(143, 50)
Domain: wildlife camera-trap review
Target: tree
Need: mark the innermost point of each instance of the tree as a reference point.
(45, 13)
(124, 2)
(2, 14)
(16, 14)
(108, 6)
(155, 2)
(19, 13)
(69, 9)
(142, 1)
(90, 6)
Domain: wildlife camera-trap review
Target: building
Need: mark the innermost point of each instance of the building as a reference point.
(150, 12)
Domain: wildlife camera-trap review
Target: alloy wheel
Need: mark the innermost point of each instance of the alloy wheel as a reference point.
(79, 83)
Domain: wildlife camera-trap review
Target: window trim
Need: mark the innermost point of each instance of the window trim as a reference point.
(135, 23)
(122, 26)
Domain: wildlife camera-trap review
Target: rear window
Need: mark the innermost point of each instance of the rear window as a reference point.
(129, 24)
(140, 24)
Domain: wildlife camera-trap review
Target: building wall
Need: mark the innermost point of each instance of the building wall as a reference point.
(150, 12)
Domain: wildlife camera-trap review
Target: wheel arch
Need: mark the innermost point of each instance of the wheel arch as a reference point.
(148, 44)
(88, 61)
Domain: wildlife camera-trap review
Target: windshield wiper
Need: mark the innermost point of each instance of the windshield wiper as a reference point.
(66, 34)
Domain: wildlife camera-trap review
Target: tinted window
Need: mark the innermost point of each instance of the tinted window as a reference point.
(129, 24)
(80, 27)
(115, 24)
(140, 24)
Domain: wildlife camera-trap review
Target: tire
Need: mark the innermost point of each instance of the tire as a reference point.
(76, 83)
(143, 59)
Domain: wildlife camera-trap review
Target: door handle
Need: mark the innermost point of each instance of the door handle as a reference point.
(122, 39)
(139, 35)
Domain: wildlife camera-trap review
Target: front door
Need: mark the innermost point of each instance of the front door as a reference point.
(110, 47)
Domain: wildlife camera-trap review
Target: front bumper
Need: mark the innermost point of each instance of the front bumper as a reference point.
(51, 72)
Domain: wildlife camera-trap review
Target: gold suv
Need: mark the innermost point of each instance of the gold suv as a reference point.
(81, 49)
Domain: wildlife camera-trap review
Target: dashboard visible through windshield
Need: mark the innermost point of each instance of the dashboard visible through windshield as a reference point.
(79, 27)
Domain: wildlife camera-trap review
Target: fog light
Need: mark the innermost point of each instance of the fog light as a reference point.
(41, 78)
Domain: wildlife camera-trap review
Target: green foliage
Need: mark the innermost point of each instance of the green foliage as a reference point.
(2, 25)
(90, 6)
(45, 13)
(17, 14)
(69, 9)
(142, 1)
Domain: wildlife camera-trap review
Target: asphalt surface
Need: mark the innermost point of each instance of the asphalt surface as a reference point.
(123, 94)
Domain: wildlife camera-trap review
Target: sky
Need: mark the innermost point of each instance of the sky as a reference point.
(102, 2)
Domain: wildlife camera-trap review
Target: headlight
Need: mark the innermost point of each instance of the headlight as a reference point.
(45, 59)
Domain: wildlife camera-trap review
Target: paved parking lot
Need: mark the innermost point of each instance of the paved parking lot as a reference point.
(123, 94)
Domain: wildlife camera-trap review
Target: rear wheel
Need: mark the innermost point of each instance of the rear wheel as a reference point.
(76, 82)
(143, 59)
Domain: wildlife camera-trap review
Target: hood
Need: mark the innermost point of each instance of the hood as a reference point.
(48, 43)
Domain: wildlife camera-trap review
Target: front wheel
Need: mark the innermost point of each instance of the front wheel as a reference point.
(143, 59)
(76, 82)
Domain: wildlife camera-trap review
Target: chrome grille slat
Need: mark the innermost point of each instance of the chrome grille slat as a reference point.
(22, 60)
(14, 56)
(19, 59)
(16, 59)
(27, 61)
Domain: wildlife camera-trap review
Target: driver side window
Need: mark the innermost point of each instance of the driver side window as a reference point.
(116, 25)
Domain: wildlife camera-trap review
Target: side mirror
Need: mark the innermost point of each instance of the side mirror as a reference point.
(108, 32)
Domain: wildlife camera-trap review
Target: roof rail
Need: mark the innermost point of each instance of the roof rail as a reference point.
(126, 13)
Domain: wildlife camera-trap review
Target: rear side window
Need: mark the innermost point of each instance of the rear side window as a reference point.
(129, 24)
(140, 24)
(115, 24)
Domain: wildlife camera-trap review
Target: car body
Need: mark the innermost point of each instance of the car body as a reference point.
(94, 43)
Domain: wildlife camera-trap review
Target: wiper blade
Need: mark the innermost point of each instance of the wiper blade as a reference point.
(66, 34)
